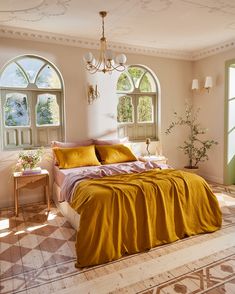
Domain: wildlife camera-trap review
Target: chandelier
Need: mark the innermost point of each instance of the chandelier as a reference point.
(105, 62)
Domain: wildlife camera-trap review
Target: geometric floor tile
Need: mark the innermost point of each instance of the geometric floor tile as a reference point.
(46, 230)
(13, 253)
(50, 244)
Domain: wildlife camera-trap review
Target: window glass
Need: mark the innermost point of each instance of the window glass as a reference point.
(16, 111)
(125, 110)
(136, 73)
(145, 109)
(47, 110)
(31, 66)
(48, 78)
(13, 76)
(124, 83)
(231, 82)
(147, 84)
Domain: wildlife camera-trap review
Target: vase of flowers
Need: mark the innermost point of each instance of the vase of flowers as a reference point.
(194, 147)
(28, 160)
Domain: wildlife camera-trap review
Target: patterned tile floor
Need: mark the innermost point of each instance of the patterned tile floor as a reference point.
(37, 255)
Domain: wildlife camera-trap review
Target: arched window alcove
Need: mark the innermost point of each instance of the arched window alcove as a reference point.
(138, 109)
(32, 111)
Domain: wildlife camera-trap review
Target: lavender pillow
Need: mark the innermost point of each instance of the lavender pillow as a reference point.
(109, 141)
(87, 142)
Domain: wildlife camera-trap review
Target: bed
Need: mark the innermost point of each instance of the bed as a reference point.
(127, 207)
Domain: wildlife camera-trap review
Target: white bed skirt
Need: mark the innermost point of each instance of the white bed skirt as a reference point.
(68, 212)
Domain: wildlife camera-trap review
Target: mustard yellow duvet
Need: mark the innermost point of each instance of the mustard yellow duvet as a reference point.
(129, 213)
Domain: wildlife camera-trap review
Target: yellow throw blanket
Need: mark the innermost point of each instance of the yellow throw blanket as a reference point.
(129, 213)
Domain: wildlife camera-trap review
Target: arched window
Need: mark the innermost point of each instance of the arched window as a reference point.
(137, 104)
(31, 103)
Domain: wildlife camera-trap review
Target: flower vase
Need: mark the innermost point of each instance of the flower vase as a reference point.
(29, 171)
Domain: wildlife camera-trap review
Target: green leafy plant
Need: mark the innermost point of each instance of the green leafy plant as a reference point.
(195, 148)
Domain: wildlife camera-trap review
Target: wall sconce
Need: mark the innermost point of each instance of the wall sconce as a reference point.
(208, 83)
(195, 85)
(92, 94)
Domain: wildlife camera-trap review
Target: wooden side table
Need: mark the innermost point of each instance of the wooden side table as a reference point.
(31, 181)
(154, 158)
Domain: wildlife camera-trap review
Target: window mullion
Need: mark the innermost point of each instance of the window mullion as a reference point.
(33, 101)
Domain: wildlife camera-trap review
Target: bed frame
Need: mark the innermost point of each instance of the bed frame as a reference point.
(68, 212)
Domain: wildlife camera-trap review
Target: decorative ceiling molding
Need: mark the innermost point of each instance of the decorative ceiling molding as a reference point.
(31, 11)
(39, 36)
(225, 46)
(13, 33)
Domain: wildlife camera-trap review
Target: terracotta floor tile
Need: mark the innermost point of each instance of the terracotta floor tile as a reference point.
(50, 244)
(45, 231)
(13, 253)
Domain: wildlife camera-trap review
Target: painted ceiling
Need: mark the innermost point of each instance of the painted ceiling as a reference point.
(178, 25)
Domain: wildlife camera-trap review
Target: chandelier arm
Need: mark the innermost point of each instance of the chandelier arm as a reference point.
(122, 66)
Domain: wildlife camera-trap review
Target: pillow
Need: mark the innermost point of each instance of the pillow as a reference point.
(114, 153)
(76, 157)
(72, 144)
(109, 141)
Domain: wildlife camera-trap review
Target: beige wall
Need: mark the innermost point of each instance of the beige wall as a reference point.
(212, 110)
(97, 120)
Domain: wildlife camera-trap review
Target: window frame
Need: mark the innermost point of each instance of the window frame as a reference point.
(32, 91)
(135, 94)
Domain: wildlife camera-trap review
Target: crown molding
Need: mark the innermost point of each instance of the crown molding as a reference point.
(39, 36)
(216, 49)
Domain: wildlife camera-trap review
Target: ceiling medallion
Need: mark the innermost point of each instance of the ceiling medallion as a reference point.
(31, 10)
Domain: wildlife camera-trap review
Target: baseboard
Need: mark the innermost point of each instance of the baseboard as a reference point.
(212, 178)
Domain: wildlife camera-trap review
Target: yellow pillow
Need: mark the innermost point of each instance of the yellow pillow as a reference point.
(114, 153)
(75, 157)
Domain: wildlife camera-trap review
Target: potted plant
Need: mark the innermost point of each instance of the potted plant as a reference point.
(195, 148)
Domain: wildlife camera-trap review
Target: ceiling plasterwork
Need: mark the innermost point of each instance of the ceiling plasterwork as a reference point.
(183, 29)
(150, 5)
(214, 6)
(31, 10)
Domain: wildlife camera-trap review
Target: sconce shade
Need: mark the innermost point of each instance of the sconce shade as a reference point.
(195, 85)
(208, 83)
